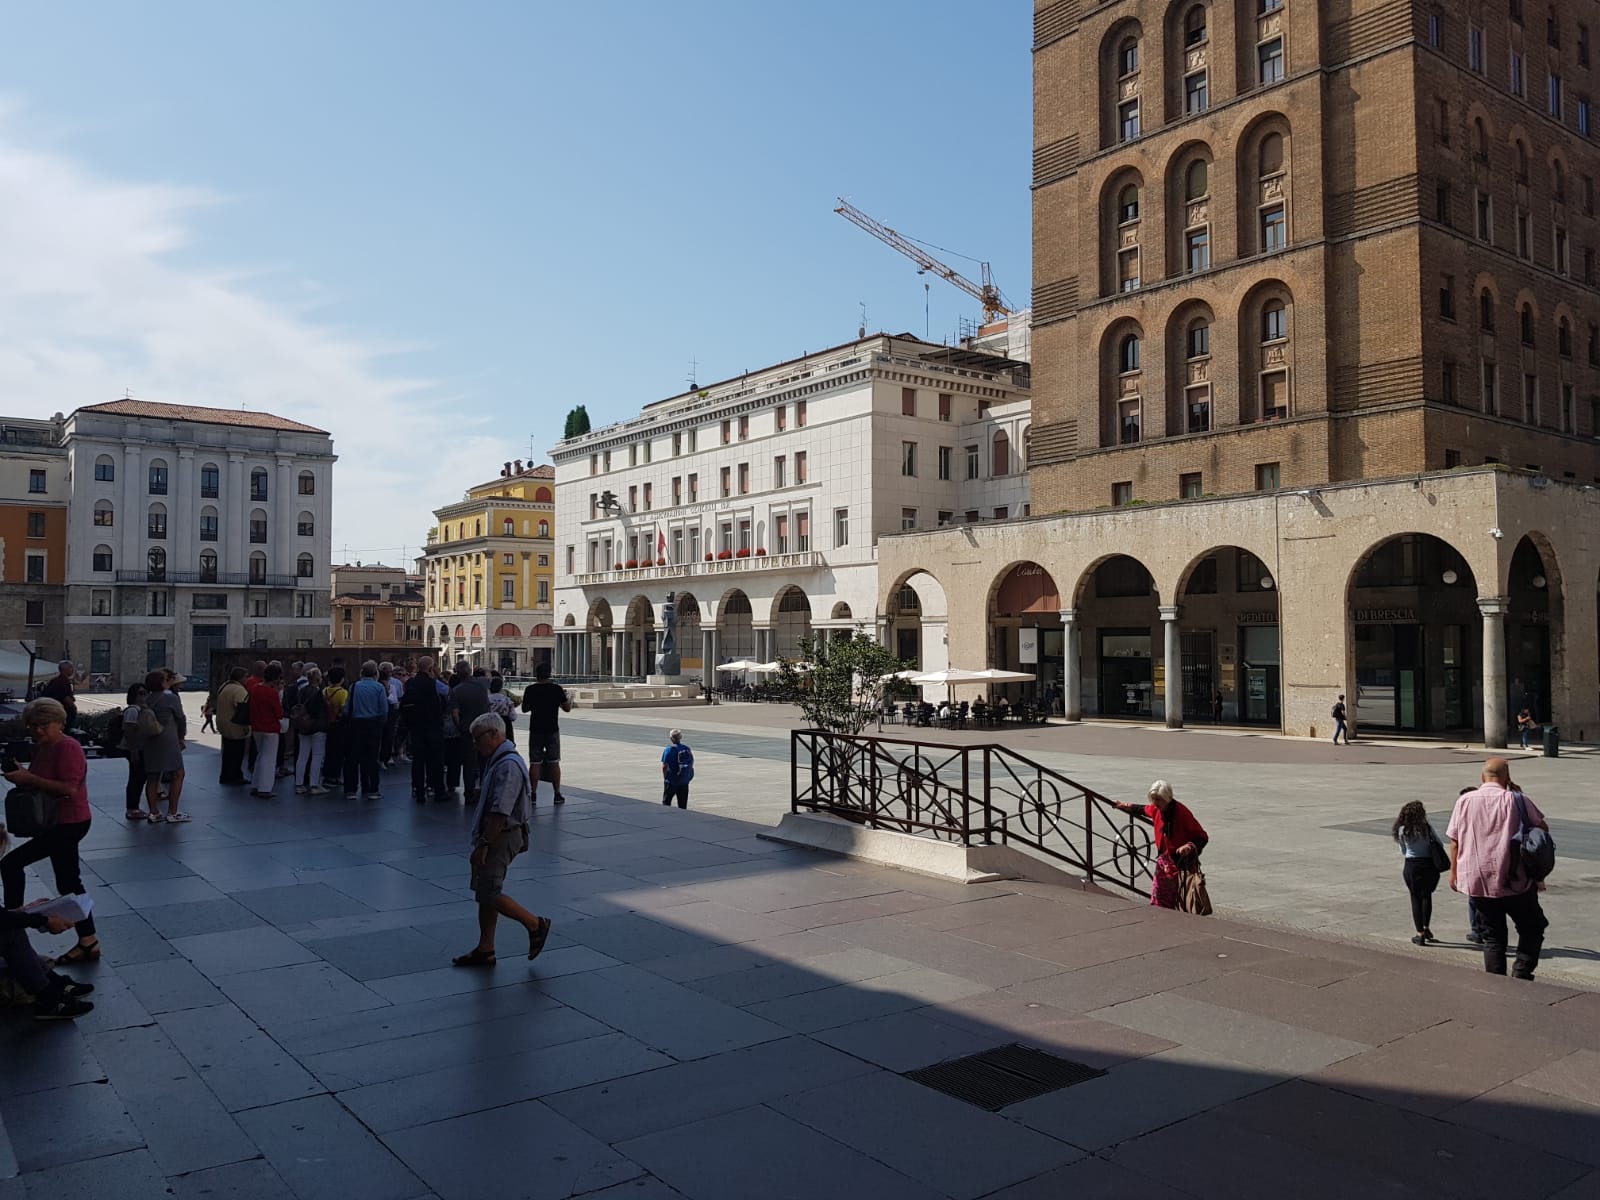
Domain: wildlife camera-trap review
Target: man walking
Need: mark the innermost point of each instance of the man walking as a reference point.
(235, 733)
(544, 702)
(369, 710)
(422, 710)
(60, 690)
(468, 701)
(677, 769)
(1339, 721)
(499, 834)
(1484, 867)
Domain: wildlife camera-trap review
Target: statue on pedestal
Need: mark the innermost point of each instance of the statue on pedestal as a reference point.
(667, 660)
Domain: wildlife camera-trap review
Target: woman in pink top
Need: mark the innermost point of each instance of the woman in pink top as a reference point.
(59, 768)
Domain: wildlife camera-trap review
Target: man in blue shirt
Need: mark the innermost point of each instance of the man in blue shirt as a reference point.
(369, 712)
(677, 769)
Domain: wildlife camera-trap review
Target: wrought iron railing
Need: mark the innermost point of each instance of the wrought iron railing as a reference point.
(978, 795)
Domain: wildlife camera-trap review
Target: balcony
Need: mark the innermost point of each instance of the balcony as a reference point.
(803, 560)
(210, 579)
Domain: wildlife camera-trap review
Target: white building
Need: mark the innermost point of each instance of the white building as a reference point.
(191, 529)
(758, 501)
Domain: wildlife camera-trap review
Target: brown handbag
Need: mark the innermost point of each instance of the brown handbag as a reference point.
(1192, 894)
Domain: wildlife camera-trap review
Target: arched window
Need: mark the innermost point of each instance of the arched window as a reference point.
(1486, 311)
(1122, 119)
(1480, 139)
(1119, 234)
(1274, 322)
(1522, 159)
(1266, 354)
(258, 567)
(104, 513)
(477, 631)
(1272, 227)
(1194, 25)
(1526, 322)
(1128, 354)
(1127, 57)
(1558, 181)
(1128, 204)
(158, 477)
(460, 632)
(1000, 454)
(258, 483)
(477, 529)
(542, 496)
(210, 481)
(1196, 180)
(304, 567)
(102, 558)
(1196, 218)
(1564, 338)
(308, 484)
(1027, 446)
(208, 566)
(1196, 377)
(507, 630)
(509, 527)
(105, 469)
(305, 525)
(208, 523)
(156, 521)
(157, 560)
(258, 526)
(544, 529)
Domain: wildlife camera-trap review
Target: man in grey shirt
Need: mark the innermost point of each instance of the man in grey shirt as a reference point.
(499, 834)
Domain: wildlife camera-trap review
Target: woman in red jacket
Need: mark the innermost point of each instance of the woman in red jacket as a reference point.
(266, 727)
(1179, 840)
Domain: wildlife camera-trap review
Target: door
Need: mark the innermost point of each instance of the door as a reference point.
(204, 640)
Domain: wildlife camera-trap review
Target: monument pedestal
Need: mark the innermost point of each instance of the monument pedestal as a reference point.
(665, 680)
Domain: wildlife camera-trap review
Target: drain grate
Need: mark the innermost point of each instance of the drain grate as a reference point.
(1005, 1075)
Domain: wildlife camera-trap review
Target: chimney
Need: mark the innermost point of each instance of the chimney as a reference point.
(505, 470)
(519, 466)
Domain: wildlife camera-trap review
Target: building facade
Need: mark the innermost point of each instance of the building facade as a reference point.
(490, 572)
(758, 502)
(375, 606)
(33, 535)
(191, 529)
(1293, 262)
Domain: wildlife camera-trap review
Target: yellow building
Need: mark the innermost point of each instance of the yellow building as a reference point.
(490, 571)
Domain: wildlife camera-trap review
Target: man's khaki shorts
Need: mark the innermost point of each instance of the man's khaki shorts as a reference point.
(489, 880)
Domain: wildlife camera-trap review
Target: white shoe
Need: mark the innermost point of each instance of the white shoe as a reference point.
(319, 791)
(299, 789)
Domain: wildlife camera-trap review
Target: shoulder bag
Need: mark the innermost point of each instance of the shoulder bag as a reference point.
(29, 811)
(1533, 851)
(1438, 854)
(1192, 894)
(149, 723)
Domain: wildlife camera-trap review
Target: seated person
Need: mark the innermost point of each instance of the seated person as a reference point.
(1001, 709)
(55, 997)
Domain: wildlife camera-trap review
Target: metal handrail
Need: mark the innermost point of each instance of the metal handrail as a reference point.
(984, 794)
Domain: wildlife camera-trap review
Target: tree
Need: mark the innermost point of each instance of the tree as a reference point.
(843, 687)
(577, 422)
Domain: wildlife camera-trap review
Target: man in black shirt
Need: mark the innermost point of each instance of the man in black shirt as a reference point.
(422, 710)
(468, 701)
(544, 702)
(60, 689)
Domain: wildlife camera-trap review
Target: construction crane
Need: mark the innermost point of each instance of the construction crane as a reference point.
(994, 304)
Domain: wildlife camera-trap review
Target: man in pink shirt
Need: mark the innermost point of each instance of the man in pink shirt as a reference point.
(1482, 867)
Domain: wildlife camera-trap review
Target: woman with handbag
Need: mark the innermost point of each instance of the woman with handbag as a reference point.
(132, 746)
(1179, 839)
(1425, 861)
(60, 771)
(163, 725)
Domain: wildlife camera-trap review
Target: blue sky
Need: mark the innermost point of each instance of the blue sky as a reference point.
(433, 229)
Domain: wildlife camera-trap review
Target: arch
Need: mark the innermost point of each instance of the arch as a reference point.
(1189, 189)
(1265, 165)
(1189, 369)
(1121, 383)
(1535, 629)
(1188, 58)
(839, 612)
(1121, 213)
(569, 621)
(1266, 353)
(1121, 52)
(542, 630)
(477, 527)
(102, 558)
(477, 631)
(1000, 454)
(1415, 635)
(307, 483)
(916, 618)
(543, 496)
(735, 626)
(1023, 609)
(507, 629)
(258, 567)
(791, 621)
(1558, 175)
(1228, 594)
(158, 479)
(691, 647)
(1519, 154)
(508, 527)
(1488, 300)
(444, 633)
(599, 618)
(156, 564)
(640, 614)
(1116, 600)
(305, 524)
(544, 529)
(105, 469)
(258, 483)
(105, 513)
(208, 566)
(1563, 332)
(305, 566)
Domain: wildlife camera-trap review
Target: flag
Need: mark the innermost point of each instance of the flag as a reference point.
(661, 543)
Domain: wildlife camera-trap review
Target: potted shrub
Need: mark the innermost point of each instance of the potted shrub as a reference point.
(743, 553)
(661, 562)
(724, 554)
(632, 563)
(761, 552)
(709, 556)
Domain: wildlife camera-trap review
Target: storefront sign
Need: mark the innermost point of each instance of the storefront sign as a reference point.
(1258, 618)
(1027, 569)
(1027, 645)
(1384, 616)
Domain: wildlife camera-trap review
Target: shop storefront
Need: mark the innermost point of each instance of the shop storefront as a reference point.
(1025, 616)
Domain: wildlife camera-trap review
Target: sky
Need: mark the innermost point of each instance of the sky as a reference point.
(433, 229)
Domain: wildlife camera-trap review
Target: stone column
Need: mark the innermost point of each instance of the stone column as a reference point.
(234, 550)
(763, 644)
(619, 654)
(183, 510)
(131, 513)
(281, 508)
(1494, 609)
(1072, 702)
(1174, 666)
(713, 652)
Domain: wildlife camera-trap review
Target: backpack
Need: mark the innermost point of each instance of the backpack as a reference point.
(110, 740)
(682, 764)
(1533, 851)
(1337, 712)
(149, 724)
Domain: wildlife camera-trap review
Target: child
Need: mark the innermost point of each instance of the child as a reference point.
(1417, 840)
(677, 769)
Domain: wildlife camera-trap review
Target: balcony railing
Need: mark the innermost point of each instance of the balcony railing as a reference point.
(801, 561)
(214, 578)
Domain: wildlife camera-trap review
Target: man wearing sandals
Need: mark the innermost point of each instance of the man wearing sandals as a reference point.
(499, 834)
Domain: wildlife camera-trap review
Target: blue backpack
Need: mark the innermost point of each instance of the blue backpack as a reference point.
(1532, 849)
(682, 764)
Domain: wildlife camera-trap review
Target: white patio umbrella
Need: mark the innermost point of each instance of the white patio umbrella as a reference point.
(995, 675)
(740, 664)
(770, 668)
(899, 675)
(948, 678)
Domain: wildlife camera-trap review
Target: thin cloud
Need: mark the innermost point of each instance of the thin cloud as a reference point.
(93, 301)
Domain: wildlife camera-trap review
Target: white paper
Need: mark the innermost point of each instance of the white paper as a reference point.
(71, 908)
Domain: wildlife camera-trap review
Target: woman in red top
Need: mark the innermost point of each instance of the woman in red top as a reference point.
(60, 768)
(1179, 840)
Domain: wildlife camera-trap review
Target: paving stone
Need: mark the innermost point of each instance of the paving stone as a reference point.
(300, 904)
(36, 1058)
(1575, 1077)
(379, 954)
(925, 1134)
(185, 1127)
(829, 1008)
(512, 969)
(131, 1175)
(721, 960)
(1439, 1067)
(206, 916)
(379, 886)
(1000, 1017)
(1108, 983)
(254, 1180)
(68, 1125)
(153, 892)
(663, 1015)
(779, 1159)
(473, 1087)
(1242, 1037)
(632, 937)
(630, 1107)
(718, 923)
(218, 954)
(115, 1006)
(241, 1065)
(769, 982)
(315, 855)
(466, 1158)
(283, 995)
(320, 1150)
(971, 960)
(1140, 1096)
(323, 1032)
(439, 1049)
(1091, 1179)
(128, 938)
(135, 867)
(169, 986)
(1559, 1125)
(904, 1041)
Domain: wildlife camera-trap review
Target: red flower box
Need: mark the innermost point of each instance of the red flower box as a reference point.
(632, 563)
(760, 553)
(661, 562)
(723, 554)
(745, 553)
(709, 557)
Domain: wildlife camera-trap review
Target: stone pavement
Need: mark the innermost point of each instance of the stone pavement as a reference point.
(717, 1016)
